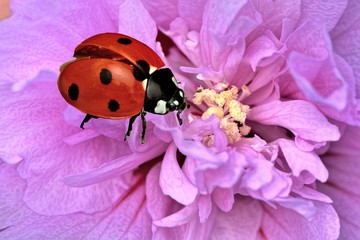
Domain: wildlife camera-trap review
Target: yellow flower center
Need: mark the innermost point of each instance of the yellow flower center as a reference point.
(227, 107)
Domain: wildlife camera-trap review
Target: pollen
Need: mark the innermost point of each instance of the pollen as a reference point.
(226, 106)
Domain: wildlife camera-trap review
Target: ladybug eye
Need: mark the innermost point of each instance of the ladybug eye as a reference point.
(172, 106)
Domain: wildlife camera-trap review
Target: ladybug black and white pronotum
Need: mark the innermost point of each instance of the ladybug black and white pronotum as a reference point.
(115, 76)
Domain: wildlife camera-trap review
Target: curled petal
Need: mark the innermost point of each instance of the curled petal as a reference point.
(300, 117)
(114, 168)
(179, 218)
(172, 180)
(299, 160)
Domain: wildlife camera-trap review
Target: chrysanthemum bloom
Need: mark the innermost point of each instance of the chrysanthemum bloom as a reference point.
(273, 89)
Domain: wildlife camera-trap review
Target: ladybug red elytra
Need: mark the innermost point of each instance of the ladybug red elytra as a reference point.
(116, 76)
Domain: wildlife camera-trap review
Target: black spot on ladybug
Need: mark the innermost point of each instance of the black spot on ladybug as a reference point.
(141, 71)
(125, 41)
(139, 75)
(73, 92)
(143, 65)
(105, 76)
(113, 105)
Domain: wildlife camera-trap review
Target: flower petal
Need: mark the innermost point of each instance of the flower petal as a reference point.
(223, 175)
(304, 207)
(192, 12)
(261, 48)
(160, 206)
(162, 11)
(262, 180)
(46, 25)
(127, 218)
(345, 35)
(116, 167)
(137, 22)
(205, 207)
(10, 158)
(307, 70)
(312, 194)
(198, 151)
(12, 209)
(158, 203)
(243, 220)
(179, 218)
(273, 14)
(33, 128)
(223, 198)
(225, 25)
(300, 117)
(299, 160)
(343, 164)
(287, 224)
(312, 65)
(173, 182)
(323, 12)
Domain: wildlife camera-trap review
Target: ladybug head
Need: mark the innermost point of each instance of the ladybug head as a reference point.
(163, 94)
(178, 102)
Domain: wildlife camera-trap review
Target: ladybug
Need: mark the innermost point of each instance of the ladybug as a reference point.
(116, 76)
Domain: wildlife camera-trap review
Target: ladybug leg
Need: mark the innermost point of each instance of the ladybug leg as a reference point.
(86, 119)
(181, 109)
(179, 118)
(131, 121)
(143, 113)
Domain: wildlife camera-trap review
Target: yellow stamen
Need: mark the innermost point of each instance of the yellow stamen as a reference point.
(218, 111)
(228, 109)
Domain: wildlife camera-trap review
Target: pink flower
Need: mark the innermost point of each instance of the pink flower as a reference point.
(267, 150)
